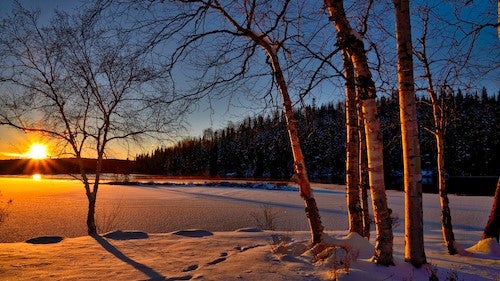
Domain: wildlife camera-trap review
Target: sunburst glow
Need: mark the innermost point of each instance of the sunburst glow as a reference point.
(37, 177)
(37, 151)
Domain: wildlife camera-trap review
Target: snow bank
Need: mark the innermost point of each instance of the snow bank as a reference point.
(489, 248)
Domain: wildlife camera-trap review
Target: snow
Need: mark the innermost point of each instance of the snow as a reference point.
(487, 248)
(190, 232)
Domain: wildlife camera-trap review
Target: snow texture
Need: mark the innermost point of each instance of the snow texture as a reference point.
(205, 248)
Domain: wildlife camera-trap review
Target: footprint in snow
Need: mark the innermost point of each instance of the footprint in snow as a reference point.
(190, 268)
(221, 258)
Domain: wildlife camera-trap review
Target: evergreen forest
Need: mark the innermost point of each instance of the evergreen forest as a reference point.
(258, 146)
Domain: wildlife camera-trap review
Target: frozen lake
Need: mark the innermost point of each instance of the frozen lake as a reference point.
(58, 207)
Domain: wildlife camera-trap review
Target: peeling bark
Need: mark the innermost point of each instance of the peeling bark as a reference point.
(355, 212)
(349, 40)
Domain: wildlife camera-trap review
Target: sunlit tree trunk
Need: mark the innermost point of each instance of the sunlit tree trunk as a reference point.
(351, 41)
(312, 211)
(414, 224)
(446, 225)
(492, 229)
(352, 147)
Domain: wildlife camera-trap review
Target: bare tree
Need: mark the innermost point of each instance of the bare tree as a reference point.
(414, 222)
(438, 132)
(450, 55)
(272, 46)
(351, 41)
(84, 84)
(225, 58)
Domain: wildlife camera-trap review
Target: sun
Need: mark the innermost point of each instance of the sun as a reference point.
(37, 151)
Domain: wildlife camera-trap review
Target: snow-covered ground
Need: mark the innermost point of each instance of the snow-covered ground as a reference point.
(158, 250)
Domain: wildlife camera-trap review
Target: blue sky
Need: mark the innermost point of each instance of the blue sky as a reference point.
(217, 112)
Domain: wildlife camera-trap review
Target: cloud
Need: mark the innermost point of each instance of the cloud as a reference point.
(11, 155)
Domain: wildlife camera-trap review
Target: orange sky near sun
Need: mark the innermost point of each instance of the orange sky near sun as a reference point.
(15, 144)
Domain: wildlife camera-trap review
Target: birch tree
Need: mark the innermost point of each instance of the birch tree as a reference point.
(244, 28)
(350, 40)
(438, 109)
(414, 223)
(83, 85)
(450, 55)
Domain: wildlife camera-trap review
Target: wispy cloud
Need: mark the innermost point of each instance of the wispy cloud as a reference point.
(11, 155)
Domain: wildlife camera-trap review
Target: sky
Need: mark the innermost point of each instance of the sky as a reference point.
(206, 114)
(216, 113)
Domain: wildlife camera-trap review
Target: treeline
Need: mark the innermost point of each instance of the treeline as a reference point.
(258, 147)
(63, 166)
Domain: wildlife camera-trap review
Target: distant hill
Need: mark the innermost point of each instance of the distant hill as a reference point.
(63, 166)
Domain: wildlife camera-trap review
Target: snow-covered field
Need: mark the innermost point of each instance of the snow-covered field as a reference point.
(158, 250)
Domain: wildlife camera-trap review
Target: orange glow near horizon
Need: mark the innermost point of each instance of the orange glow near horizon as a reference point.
(37, 177)
(37, 151)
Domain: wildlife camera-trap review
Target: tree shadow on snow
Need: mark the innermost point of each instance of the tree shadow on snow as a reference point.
(260, 202)
(148, 271)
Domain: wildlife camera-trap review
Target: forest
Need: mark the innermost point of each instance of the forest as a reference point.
(258, 147)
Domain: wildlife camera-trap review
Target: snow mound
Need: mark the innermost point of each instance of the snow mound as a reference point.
(45, 240)
(488, 247)
(195, 233)
(354, 242)
(126, 235)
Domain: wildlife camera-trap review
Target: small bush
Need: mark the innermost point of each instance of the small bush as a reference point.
(266, 218)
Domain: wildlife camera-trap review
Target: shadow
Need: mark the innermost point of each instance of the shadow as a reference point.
(260, 202)
(148, 271)
(193, 233)
(126, 235)
(45, 240)
(437, 225)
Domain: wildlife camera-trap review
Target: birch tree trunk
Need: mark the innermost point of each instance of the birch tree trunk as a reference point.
(446, 225)
(414, 224)
(351, 41)
(363, 176)
(492, 229)
(355, 212)
(299, 166)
